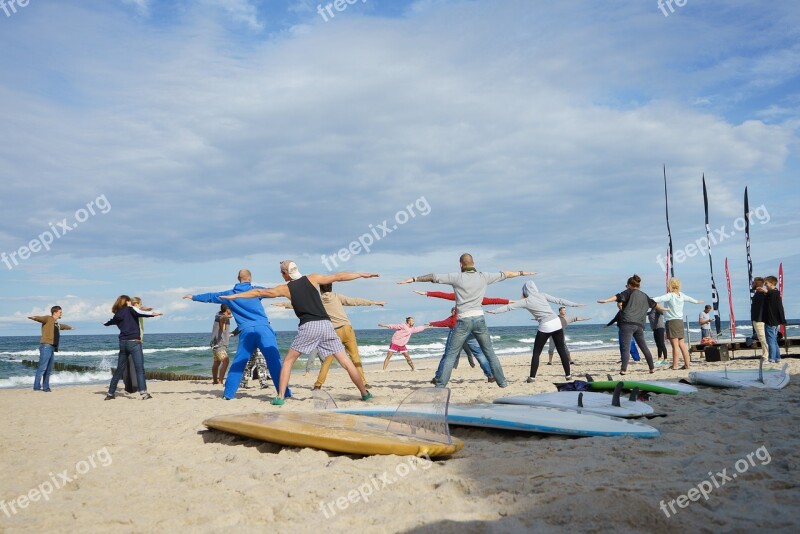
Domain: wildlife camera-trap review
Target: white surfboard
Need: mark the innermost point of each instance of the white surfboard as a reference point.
(592, 402)
(743, 378)
(523, 418)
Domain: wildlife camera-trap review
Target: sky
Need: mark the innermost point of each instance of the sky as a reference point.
(155, 147)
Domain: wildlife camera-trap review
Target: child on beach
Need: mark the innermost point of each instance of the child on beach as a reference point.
(220, 335)
(400, 338)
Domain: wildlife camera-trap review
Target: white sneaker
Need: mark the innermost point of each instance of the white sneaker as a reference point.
(530, 380)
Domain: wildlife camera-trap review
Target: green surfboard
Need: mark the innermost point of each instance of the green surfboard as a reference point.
(670, 388)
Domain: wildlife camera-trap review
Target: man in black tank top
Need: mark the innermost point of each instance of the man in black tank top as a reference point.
(315, 330)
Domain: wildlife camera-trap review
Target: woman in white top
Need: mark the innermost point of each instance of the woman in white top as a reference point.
(674, 301)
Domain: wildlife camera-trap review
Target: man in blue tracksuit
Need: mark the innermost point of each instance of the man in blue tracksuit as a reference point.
(254, 331)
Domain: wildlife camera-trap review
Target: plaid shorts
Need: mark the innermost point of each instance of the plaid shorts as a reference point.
(318, 335)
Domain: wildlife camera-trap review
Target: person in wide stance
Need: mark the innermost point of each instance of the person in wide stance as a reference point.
(315, 330)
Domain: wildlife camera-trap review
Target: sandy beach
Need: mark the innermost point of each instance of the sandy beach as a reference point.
(145, 466)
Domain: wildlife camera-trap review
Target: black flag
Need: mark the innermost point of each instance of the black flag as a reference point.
(669, 233)
(747, 243)
(714, 294)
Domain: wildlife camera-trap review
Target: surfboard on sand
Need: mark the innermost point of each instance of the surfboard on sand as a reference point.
(587, 401)
(338, 432)
(525, 419)
(743, 378)
(651, 386)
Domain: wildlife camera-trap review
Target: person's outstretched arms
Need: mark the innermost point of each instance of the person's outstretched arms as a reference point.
(279, 291)
(38, 318)
(338, 277)
(508, 307)
(514, 274)
(612, 298)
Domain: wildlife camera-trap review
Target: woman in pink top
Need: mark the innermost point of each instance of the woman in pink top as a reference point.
(400, 338)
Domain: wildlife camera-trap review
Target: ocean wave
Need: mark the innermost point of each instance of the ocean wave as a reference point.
(60, 379)
(105, 352)
(585, 343)
(527, 340)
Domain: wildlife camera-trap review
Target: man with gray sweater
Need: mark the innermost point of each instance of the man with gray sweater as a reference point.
(470, 287)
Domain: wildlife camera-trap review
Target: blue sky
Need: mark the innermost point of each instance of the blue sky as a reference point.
(209, 135)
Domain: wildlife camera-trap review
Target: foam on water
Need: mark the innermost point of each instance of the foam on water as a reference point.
(63, 378)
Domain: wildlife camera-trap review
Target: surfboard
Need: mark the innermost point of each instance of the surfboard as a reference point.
(743, 378)
(338, 432)
(591, 402)
(523, 418)
(655, 386)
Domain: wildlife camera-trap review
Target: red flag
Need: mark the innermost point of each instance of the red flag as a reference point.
(780, 288)
(730, 299)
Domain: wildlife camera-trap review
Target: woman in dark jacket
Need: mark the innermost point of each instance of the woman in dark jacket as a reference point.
(130, 343)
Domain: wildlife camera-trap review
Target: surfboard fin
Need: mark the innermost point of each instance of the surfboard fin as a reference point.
(432, 424)
(580, 400)
(323, 400)
(634, 395)
(610, 378)
(589, 378)
(617, 393)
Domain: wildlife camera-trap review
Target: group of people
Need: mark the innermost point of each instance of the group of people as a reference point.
(324, 327)
(767, 315)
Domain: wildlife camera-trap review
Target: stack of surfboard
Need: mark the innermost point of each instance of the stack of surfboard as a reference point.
(545, 419)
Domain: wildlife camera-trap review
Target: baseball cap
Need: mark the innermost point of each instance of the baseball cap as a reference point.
(290, 267)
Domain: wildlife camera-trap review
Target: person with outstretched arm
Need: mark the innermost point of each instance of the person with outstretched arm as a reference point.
(470, 288)
(48, 346)
(254, 331)
(632, 317)
(315, 330)
(403, 332)
(538, 304)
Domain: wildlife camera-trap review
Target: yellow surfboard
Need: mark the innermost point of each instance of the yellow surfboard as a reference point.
(350, 434)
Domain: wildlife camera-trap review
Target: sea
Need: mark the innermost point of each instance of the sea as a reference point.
(191, 353)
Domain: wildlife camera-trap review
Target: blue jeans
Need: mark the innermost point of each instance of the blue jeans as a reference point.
(464, 327)
(251, 337)
(470, 345)
(772, 343)
(132, 348)
(46, 358)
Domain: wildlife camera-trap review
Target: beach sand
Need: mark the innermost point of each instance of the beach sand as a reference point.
(145, 466)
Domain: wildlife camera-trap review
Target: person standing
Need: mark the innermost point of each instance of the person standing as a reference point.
(773, 317)
(659, 327)
(757, 316)
(551, 347)
(705, 325)
(48, 346)
(400, 338)
(334, 304)
(674, 301)
(471, 347)
(126, 318)
(315, 330)
(632, 317)
(550, 325)
(258, 363)
(220, 335)
(255, 332)
(470, 288)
